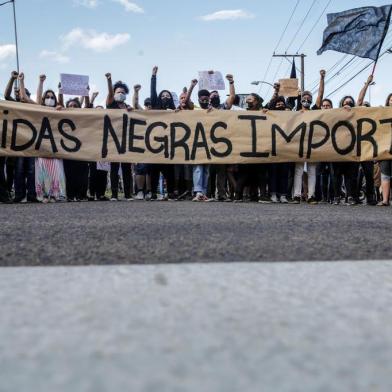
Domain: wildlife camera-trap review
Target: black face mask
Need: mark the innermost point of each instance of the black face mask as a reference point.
(250, 106)
(204, 105)
(165, 103)
(215, 101)
(351, 104)
(280, 108)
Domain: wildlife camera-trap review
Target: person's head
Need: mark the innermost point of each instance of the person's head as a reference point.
(389, 100)
(307, 99)
(182, 99)
(254, 102)
(278, 103)
(147, 104)
(73, 103)
(347, 101)
(17, 93)
(214, 99)
(121, 91)
(204, 99)
(165, 100)
(49, 99)
(326, 104)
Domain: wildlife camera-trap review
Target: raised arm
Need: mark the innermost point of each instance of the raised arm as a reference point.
(40, 89)
(110, 97)
(230, 100)
(93, 97)
(61, 96)
(320, 94)
(135, 98)
(153, 92)
(189, 93)
(22, 90)
(362, 93)
(10, 84)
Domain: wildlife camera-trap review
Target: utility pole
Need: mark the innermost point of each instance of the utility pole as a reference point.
(16, 38)
(302, 66)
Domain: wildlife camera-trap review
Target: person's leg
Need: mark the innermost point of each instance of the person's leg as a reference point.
(30, 179)
(282, 178)
(127, 179)
(368, 170)
(93, 180)
(206, 173)
(4, 195)
(101, 184)
(198, 183)
(19, 180)
(298, 173)
(114, 178)
(70, 178)
(386, 173)
(221, 182)
(273, 178)
(312, 180)
(10, 169)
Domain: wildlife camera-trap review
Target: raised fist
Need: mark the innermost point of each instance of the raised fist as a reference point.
(137, 87)
(194, 82)
(14, 74)
(230, 78)
(322, 73)
(21, 76)
(108, 76)
(155, 70)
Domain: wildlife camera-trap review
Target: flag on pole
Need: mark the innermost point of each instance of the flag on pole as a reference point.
(360, 31)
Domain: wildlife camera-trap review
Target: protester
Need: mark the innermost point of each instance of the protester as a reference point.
(306, 104)
(116, 98)
(386, 172)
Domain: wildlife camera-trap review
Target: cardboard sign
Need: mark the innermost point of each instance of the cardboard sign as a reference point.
(74, 84)
(196, 136)
(288, 87)
(211, 81)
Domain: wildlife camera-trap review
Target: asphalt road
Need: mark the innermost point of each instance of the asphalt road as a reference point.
(271, 327)
(162, 232)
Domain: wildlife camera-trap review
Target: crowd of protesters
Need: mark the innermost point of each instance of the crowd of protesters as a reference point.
(32, 180)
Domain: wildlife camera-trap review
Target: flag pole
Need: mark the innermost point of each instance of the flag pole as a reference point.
(16, 37)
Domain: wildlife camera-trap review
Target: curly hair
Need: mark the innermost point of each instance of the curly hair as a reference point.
(122, 85)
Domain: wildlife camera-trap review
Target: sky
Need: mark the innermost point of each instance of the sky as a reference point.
(129, 37)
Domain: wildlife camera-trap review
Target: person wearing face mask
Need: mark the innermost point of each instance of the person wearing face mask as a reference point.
(49, 172)
(76, 172)
(367, 167)
(346, 170)
(116, 98)
(250, 174)
(218, 173)
(278, 177)
(306, 104)
(163, 101)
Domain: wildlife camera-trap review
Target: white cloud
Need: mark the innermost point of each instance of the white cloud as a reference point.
(90, 39)
(129, 6)
(227, 15)
(54, 56)
(7, 51)
(86, 3)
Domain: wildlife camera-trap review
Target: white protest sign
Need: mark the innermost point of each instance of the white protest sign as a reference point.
(175, 99)
(211, 80)
(74, 84)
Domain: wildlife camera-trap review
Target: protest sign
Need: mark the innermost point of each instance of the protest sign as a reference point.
(288, 87)
(211, 80)
(74, 84)
(196, 137)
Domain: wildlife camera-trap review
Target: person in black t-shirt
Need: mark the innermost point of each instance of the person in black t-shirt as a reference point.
(116, 98)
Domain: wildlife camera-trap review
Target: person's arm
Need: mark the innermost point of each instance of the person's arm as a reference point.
(61, 96)
(93, 97)
(230, 100)
(10, 84)
(153, 92)
(40, 89)
(362, 93)
(189, 94)
(320, 94)
(135, 98)
(22, 90)
(110, 97)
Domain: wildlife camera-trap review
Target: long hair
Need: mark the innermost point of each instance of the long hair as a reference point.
(344, 98)
(388, 99)
(171, 103)
(75, 100)
(44, 97)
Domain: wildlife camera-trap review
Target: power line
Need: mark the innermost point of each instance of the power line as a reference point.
(280, 39)
(314, 26)
(6, 2)
(301, 25)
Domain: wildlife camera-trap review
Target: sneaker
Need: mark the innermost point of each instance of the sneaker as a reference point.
(52, 200)
(274, 198)
(139, 196)
(129, 199)
(312, 200)
(296, 200)
(199, 197)
(148, 196)
(283, 199)
(114, 199)
(20, 200)
(265, 200)
(238, 201)
(351, 201)
(336, 201)
(162, 198)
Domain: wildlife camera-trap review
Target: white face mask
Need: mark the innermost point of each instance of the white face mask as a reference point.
(120, 97)
(50, 102)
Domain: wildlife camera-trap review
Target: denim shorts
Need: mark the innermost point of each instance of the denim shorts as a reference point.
(386, 170)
